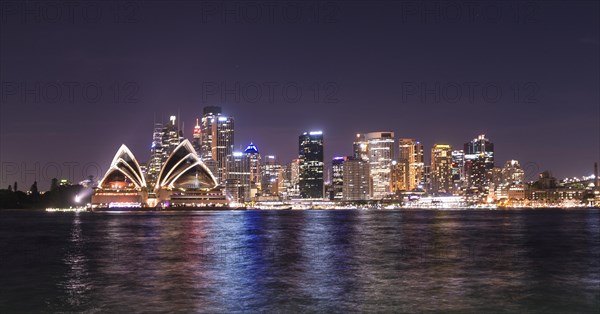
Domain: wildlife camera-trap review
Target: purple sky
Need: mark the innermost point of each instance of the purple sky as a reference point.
(361, 66)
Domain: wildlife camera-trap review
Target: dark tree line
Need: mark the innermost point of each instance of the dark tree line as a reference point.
(58, 196)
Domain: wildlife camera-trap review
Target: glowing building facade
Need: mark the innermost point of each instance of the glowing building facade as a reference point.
(183, 180)
(381, 153)
(479, 161)
(311, 165)
(337, 178)
(217, 136)
(441, 169)
(410, 154)
(356, 180)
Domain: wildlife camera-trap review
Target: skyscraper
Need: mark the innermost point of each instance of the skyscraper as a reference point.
(458, 170)
(381, 153)
(479, 160)
(411, 153)
(238, 177)
(441, 169)
(337, 177)
(217, 134)
(253, 155)
(399, 176)
(157, 154)
(356, 180)
(311, 164)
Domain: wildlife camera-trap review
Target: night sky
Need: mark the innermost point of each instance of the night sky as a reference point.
(361, 66)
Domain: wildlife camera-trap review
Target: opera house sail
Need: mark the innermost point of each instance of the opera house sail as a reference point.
(183, 181)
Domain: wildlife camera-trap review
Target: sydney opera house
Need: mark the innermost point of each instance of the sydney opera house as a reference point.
(183, 181)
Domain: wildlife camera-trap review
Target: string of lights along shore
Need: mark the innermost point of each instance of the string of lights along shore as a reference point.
(206, 171)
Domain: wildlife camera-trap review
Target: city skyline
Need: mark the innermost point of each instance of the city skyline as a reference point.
(190, 133)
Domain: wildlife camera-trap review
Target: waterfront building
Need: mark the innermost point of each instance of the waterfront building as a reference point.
(441, 169)
(217, 138)
(356, 180)
(311, 165)
(183, 180)
(411, 153)
(381, 153)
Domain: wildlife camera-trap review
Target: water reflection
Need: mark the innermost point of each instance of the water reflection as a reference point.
(306, 261)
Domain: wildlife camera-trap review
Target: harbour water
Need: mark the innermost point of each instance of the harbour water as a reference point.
(475, 261)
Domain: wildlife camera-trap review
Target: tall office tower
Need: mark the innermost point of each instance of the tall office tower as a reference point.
(238, 177)
(381, 153)
(217, 135)
(310, 182)
(291, 178)
(458, 174)
(360, 147)
(272, 177)
(254, 159)
(157, 154)
(197, 138)
(399, 176)
(479, 161)
(337, 178)
(411, 153)
(441, 168)
(356, 180)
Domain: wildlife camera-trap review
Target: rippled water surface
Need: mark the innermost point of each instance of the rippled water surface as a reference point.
(542, 261)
